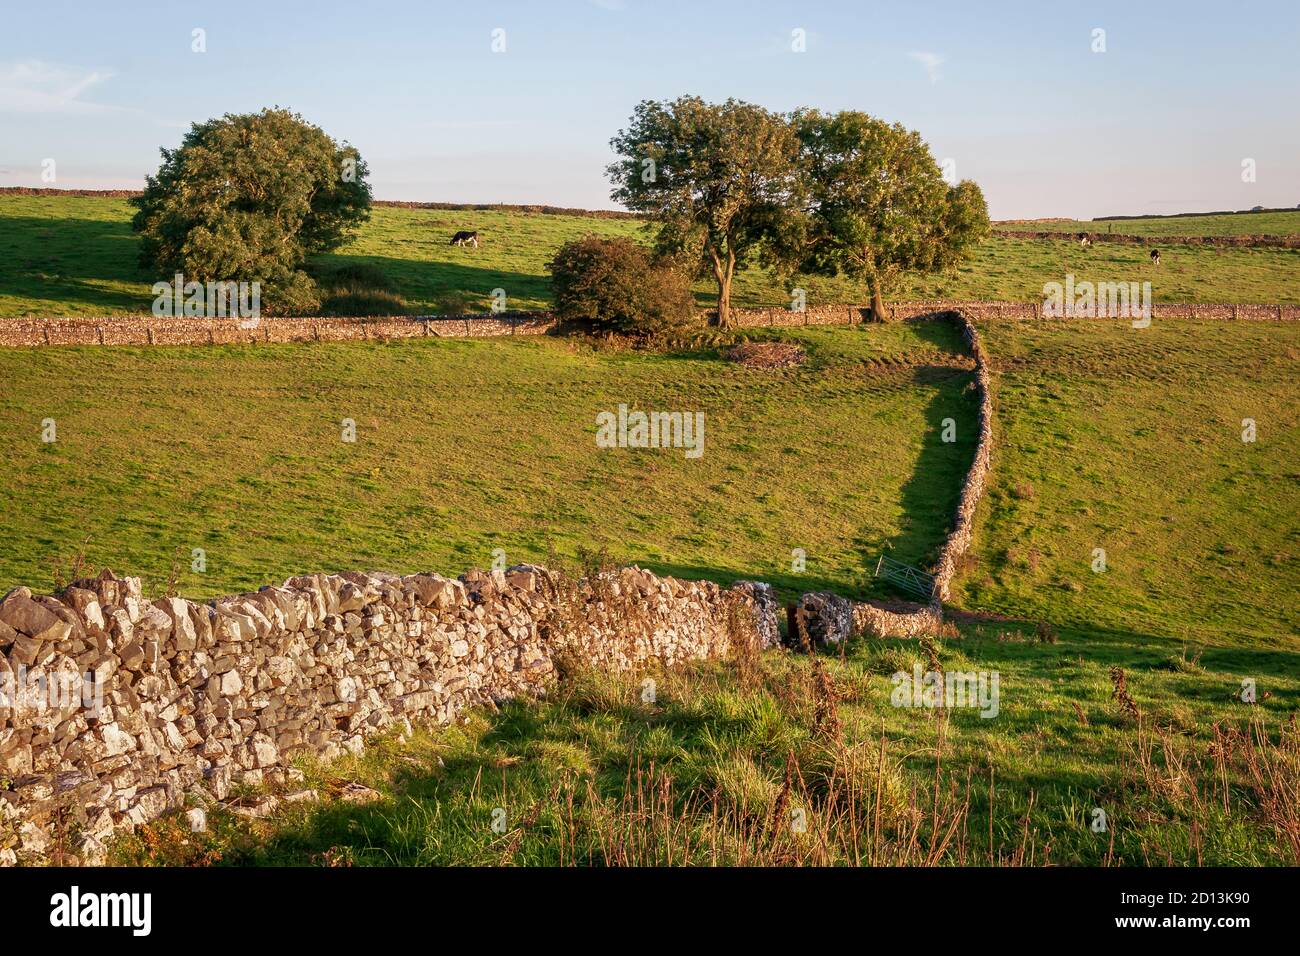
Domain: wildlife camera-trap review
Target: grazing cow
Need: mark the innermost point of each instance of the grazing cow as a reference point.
(1084, 240)
(465, 239)
(1155, 257)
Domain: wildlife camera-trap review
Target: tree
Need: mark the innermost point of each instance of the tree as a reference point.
(878, 204)
(614, 285)
(248, 198)
(719, 180)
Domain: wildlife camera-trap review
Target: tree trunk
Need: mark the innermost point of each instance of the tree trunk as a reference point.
(723, 274)
(724, 302)
(879, 312)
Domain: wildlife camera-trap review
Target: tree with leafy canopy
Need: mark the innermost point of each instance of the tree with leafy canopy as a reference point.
(719, 181)
(878, 204)
(249, 197)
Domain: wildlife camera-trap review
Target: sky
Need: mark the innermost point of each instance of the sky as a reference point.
(1157, 114)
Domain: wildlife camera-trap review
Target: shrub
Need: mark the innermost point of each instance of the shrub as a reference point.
(613, 285)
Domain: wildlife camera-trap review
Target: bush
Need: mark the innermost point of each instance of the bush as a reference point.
(613, 285)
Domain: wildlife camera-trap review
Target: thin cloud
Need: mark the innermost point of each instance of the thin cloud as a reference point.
(33, 86)
(931, 62)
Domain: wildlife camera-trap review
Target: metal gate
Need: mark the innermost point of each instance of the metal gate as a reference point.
(905, 577)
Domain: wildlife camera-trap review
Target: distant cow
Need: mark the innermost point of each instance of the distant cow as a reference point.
(1155, 257)
(465, 239)
(1084, 240)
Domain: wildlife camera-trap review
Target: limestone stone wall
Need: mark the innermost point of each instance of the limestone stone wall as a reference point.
(180, 699)
(147, 330)
(962, 533)
(1272, 241)
(829, 618)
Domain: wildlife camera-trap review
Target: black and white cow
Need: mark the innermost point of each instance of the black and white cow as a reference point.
(1155, 257)
(465, 239)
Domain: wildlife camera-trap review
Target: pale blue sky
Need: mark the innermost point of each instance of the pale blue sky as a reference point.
(1011, 91)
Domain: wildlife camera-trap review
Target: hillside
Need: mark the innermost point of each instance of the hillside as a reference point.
(70, 255)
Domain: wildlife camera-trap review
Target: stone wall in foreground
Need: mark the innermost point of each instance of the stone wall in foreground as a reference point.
(828, 618)
(167, 699)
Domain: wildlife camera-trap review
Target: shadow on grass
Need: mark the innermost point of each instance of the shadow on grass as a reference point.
(438, 808)
(422, 282)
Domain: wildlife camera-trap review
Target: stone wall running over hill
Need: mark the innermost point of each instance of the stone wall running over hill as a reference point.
(147, 330)
(829, 618)
(168, 699)
(963, 527)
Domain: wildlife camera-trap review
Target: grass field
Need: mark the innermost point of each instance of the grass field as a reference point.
(1130, 440)
(466, 446)
(1223, 224)
(66, 256)
(1106, 439)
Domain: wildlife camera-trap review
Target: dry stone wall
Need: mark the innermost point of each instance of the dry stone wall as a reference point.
(1271, 241)
(147, 330)
(960, 537)
(829, 618)
(168, 700)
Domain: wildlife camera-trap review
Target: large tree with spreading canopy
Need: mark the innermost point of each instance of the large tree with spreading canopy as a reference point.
(878, 205)
(720, 182)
